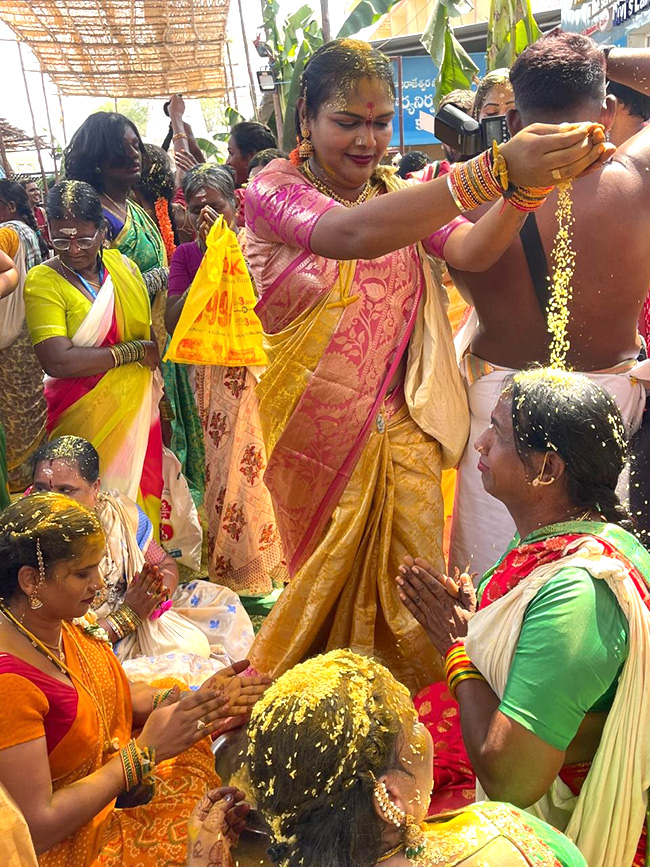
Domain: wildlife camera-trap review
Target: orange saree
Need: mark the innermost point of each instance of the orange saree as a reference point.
(35, 705)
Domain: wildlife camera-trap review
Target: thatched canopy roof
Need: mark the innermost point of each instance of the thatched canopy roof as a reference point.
(133, 48)
(17, 139)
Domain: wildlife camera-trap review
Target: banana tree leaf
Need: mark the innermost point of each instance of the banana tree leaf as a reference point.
(208, 147)
(433, 37)
(511, 28)
(365, 14)
(292, 93)
(299, 19)
(457, 70)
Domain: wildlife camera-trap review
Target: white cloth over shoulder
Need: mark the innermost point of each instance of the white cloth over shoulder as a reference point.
(605, 821)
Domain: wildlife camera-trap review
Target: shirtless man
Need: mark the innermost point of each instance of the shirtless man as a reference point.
(560, 78)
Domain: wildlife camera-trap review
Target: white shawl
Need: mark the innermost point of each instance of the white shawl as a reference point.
(605, 821)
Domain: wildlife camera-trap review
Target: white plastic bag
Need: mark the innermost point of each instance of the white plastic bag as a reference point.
(180, 529)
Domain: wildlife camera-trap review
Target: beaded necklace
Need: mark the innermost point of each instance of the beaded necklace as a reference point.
(110, 744)
(323, 188)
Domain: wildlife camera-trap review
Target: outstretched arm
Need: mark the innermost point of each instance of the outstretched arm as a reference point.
(478, 246)
(631, 67)
(387, 223)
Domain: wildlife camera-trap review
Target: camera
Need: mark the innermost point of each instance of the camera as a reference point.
(466, 135)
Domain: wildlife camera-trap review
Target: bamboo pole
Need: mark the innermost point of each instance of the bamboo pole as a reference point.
(65, 135)
(31, 111)
(3, 158)
(251, 77)
(325, 16)
(49, 126)
(277, 103)
(232, 77)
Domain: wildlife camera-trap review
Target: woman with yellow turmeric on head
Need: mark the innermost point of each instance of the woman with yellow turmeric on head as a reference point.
(340, 770)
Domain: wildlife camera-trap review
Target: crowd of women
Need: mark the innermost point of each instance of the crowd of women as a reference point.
(502, 724)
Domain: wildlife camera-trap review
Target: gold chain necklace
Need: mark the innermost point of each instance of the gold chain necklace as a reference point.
(124, 207)
(390, 853)
(72, 271)
(110, 744)
(323, 188)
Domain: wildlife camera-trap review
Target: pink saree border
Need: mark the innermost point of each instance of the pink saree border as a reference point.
(343, 474)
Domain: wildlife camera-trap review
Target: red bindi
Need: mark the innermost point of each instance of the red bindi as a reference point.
(371, 107)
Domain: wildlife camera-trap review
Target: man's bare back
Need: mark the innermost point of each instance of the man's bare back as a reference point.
(611, 237)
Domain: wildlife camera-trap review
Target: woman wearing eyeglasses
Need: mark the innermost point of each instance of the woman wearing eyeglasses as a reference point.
(89, 320)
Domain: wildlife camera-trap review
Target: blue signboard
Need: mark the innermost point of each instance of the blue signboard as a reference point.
(606, 21)
(418, 88)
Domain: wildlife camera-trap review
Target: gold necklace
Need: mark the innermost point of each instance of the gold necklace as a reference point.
(110, 744)
(390, 853)
(323, 188)
(58, 649)
(72, 271)
(123, 207)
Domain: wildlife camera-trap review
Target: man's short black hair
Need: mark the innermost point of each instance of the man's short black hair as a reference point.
(560, 71)
(413, 161)
(637, 104)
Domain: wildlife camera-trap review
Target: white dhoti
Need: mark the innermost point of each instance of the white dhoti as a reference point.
(481, 527)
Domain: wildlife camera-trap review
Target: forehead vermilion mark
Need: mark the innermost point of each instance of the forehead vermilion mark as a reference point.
(371, 112)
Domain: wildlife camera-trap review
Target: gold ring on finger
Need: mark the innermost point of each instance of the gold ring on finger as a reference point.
(200, 724)
(556, 174)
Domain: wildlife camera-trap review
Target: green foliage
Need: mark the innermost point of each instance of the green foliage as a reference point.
(511, 28)
(292, 46)
(137, 110)
(215, 148)
(456, 69)
(365, 14)
(215, 151)
(295, 41)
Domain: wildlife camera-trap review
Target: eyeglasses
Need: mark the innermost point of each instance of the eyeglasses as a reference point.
(63, 244)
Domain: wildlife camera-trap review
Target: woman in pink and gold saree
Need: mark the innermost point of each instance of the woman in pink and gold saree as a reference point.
(89, 320)
(361, 403)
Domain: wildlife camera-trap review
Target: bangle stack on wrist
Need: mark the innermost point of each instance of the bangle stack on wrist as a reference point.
(179, 135)
(474, 182)
(138, 765)
(529, 199)
(159, 696)
(458, 667)
(128, 353)
(123, 621)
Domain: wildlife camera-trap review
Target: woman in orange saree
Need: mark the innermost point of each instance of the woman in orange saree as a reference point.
(69, 714)
(89, 319)
(361, 404)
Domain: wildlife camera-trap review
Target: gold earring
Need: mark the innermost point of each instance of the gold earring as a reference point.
(391, 811)
(34, 601)
(305, 147)
(537, 482)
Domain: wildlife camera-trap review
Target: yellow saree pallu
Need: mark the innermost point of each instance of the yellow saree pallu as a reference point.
(344, 595)
(117, 411)
(356, 482)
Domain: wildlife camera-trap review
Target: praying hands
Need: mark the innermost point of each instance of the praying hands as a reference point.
(443, 606)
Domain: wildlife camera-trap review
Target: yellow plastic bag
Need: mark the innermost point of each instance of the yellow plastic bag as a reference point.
(218, 324)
